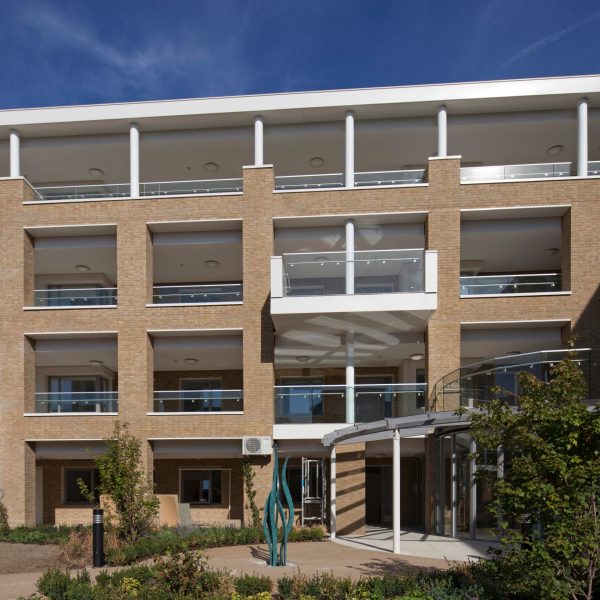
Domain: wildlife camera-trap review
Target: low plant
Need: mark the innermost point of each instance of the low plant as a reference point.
(4, 527)
(251, 585)
(41, 534)
(163, 541)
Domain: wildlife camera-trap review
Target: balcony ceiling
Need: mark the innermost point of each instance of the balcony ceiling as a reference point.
(512, 245)
(182, 258)
(387, 144)
(76, 352)
(482, 343)
(212, 352)
(380, 340)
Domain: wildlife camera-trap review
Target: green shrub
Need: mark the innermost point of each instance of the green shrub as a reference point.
(80, 588)
(250, 585)
(53, 584)
(42, 534)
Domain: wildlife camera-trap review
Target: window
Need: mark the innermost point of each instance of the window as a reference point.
(200, 486)
(77, 394)
(302, 396)
(72, 494)
(202, 395)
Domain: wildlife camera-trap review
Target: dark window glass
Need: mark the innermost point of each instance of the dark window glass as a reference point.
(201, 487)
(91, 478)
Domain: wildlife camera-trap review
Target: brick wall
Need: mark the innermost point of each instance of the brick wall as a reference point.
(442, 198)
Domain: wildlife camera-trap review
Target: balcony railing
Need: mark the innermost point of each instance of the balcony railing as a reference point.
(197, 294)
(155, 188)
(205, 186)
(337, 180)
(302, 182)
(594, 169)
(328, 403)
(503, 172)
(482, 285)
(374, 178)
(375, 272)
(76, 297)
(198, 401)
(79, 192)
(76, 402)
(479, 382)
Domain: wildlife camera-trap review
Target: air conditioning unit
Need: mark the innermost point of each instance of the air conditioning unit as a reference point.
(253, 445)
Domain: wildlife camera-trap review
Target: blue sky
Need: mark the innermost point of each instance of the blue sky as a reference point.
(85, 51)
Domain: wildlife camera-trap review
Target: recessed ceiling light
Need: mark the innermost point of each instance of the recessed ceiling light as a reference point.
(513, 353)
(417, 356)
(555, 150)
(82, 268)
(95, 172)
(190, 361)
(551, 251)
(321, 259)
(303, 358)
(212, 264)
(96, 363)
(316, 161)
(211, 167)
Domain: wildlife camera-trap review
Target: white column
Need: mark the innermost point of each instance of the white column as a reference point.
(349, 162)
(473, 493)
(134, 160)
(350, 256)
(442, 123)
(396, 495)
(258, 142)
(350, 377)
(582, 137)
(15, 153)
(332, 493)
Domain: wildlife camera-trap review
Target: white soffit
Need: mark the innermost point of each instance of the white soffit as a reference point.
(196, 226)
(513, 212)
(71, 231)
(360, 220)
(389, 102)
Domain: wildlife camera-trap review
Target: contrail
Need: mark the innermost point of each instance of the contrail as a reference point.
(550, 39)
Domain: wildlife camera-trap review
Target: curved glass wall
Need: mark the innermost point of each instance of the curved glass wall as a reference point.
(462, 502)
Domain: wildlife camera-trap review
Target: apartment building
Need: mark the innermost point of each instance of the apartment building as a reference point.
(333, 271)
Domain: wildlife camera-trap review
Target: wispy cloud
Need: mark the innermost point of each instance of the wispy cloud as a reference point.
(153, 66)
(551, 39)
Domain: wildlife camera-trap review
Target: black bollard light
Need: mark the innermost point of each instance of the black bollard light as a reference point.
(98, 538)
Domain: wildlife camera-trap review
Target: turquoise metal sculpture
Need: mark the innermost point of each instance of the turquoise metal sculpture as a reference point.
(274, 510)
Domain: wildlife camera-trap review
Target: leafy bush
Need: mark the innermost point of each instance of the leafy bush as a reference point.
(250, 585)
(53, 584)
(41, 534)
(3, 515)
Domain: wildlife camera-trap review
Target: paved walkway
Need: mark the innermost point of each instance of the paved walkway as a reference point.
(415, 544)
(351, 556)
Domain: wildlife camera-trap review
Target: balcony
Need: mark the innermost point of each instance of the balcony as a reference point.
(197, 294)
(326, 404)
(149, 189)
(355, 283)
(478, 383)
(516, 172)
(69, 297)
(199, 401)
(337, 180)
(492, 285)
(76, 402)
(594, 169)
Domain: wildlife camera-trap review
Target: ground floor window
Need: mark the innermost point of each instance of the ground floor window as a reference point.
(200, 486)
(71, 489)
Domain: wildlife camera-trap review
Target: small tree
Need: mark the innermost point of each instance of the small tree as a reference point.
(547, 503)
(124, 482)
(248, 476)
